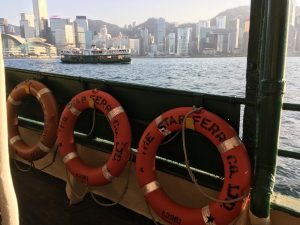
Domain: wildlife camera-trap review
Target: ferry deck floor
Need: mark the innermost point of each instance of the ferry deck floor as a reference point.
(42, 201)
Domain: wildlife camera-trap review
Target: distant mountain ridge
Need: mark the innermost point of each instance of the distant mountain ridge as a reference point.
(242, 12)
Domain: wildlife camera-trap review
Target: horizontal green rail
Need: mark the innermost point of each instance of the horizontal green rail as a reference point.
(289, 154)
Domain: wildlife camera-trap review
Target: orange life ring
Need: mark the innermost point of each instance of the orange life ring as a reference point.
(119, 123)
(49, 107)
(237, 170)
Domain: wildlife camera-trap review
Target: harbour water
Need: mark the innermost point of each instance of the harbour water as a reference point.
(220, 76)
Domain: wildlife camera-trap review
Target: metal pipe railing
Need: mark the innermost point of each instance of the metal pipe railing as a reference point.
(269, 105)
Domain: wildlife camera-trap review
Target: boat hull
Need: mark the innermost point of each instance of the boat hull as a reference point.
(125, 59)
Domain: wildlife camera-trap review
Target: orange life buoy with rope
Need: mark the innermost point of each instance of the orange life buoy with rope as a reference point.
(119, 123)
(237, 170)
(49, 107)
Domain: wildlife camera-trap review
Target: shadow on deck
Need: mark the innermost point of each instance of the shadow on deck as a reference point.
(42, 201)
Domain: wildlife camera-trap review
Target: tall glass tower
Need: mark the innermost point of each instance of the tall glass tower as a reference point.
(40, 17)
(160, 34)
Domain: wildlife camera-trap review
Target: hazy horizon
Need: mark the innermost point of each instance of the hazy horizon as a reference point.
(116, 12)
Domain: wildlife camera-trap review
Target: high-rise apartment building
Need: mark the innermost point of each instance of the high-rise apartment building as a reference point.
(221, 22)
(81, 27)
(62, 32)
(234, 30)
(144, 33)
(202, 31)
(27, 28)
(171, 44)
(160, 34)
(40, 18)
(184, 38)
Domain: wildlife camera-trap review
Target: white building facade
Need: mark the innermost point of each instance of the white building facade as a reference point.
(184, 37)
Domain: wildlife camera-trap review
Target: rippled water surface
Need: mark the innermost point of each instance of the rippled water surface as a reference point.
(222, 76)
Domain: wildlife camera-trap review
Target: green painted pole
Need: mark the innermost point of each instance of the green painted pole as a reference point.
(269, 104)
(252, 77)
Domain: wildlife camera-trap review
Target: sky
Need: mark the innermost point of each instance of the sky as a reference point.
(121, 12)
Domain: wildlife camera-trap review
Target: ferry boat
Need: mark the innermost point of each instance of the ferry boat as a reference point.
(96, 55)
(43, 192)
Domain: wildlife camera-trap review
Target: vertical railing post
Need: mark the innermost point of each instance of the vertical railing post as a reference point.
(269, 106)
(252, 76)
(8, 200)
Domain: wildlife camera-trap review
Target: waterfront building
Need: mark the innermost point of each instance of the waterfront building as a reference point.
(81, 27)
(297, 42)
(233, 39)
(221, 22)
(221, 42)
(12, 45)
(183, 40)
(16, 46)
(153, 50)
(41, 18)
(27, 28)
(171, 44)
(202, 31)
(3, 26)
(160, 34)
(62, 32)
(144, 34)
(134, 46)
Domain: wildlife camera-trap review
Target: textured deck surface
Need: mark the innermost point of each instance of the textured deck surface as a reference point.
(42, 201)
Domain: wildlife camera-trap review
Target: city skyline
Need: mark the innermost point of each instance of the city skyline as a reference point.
(116, 12)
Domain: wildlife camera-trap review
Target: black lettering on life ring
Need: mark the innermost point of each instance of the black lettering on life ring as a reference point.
(232, 193)
(171, 217)
(119, 151)
(232, 162)
(115, 126)
(147, 141)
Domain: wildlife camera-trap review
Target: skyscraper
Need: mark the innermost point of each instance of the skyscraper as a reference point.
(62, 31)
(27, 28)
(184, 37)
(160, 34)
(40, 17)
(81, 27)
(171, 43)
(144, 33)
(202, 31)
(234, 30)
